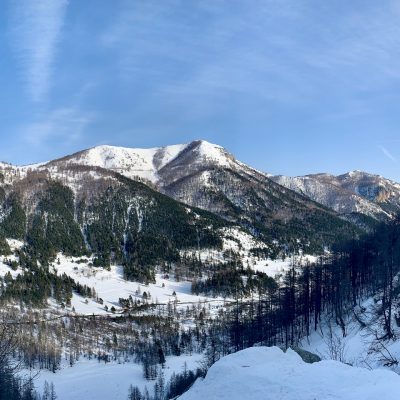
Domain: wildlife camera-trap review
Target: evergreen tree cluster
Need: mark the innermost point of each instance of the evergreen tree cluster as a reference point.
(122, 222)
(284, 314)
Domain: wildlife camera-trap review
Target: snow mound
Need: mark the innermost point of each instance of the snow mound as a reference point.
(262, 373)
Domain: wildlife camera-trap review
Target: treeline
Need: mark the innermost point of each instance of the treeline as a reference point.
(13, 384)
(14, 388)
(45, 338)
(232, 280)
(284, 314)
(36, 284)
(177, 385)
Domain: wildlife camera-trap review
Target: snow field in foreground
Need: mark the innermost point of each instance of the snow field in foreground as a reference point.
(267, 373)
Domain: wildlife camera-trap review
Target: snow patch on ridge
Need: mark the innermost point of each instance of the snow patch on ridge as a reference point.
(142, 163)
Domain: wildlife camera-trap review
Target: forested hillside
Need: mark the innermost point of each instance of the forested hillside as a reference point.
(112, 218)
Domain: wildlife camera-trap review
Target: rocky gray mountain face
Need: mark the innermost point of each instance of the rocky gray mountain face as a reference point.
(208, 177)
(354, 193)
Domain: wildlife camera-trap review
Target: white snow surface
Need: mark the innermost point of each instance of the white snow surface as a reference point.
(358, 346)
(145, 163)
(111, 285)
(277, 268)
(91, 379)
(213, 152)
(131, 162)
(267, 373)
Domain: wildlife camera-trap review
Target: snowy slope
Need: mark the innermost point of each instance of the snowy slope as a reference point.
(262, 373)
(110, 286)
(359, 345)
(353, 192)
(144, 163)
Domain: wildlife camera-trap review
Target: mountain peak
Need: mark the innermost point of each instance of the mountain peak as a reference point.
(145, 163)
(356, 173)
(207, 151)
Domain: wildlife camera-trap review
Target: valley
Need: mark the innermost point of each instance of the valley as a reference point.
(133, 265)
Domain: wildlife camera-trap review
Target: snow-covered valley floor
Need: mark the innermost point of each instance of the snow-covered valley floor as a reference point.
(91, 379)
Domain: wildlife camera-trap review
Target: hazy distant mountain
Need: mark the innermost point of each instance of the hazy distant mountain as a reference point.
(354, 192)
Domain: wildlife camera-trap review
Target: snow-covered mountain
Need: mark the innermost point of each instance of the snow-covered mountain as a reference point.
(207, 176)
(147, 164)
(190, 172)
(353, 192)
(173, 168)
(202, 175)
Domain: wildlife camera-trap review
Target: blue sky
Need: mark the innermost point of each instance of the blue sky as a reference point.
(290, 87)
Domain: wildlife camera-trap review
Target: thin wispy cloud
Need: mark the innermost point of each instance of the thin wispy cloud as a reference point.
(283, 52)
(388, 154)
(65, 125)
(35, 33)
(219, 53)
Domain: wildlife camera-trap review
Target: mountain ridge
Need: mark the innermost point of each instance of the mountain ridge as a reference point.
(198, 174)
(206, 176)
(355, 191)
